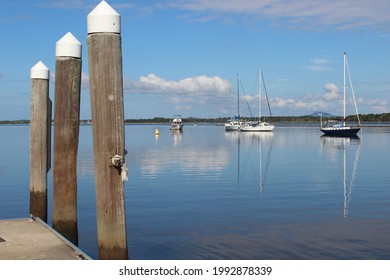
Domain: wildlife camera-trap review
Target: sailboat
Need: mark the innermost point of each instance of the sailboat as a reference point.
(234, 123)
(339, 128)
(258, 126)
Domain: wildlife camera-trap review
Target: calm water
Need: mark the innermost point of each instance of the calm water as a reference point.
(209, 194)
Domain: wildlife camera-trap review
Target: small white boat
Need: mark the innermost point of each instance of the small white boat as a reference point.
(177, 123)
(234, 124)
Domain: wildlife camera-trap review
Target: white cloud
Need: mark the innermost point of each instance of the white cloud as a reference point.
(330, 102)
(317, 68)
(306, 14)
(376, 105)
(209, 94)
(193, 85)
(319, 60)
(301, 14)
(318, 64)
(197, 85)
(217, 94)
(306, 104)
(332, 92)
(282, 103)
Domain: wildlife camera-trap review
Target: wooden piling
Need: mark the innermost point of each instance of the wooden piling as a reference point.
(106, 90)
(66, 136)
(40, 127)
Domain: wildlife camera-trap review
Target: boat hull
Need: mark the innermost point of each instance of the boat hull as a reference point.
(341, 132)
(176, 127)
(232, 127)
(262, 127)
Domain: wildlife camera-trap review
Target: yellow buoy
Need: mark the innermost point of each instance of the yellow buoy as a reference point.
(156, 132)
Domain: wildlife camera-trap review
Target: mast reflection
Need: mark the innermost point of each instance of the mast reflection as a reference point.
(336, 144)
(263, 141)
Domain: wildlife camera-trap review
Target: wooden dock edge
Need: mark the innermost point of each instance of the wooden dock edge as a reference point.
(80, 254)
(33, 239)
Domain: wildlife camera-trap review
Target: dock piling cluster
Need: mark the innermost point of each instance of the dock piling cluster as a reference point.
(106, 90)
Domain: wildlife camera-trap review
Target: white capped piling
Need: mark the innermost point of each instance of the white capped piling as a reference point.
(66, 135)
(40, 136)
(106, 90)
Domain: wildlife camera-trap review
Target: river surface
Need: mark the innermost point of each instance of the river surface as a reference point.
(209, 194)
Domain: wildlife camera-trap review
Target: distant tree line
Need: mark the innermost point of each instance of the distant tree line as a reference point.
(16, 122)
(385, 117)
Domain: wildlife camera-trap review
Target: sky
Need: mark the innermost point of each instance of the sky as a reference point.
(183, 56)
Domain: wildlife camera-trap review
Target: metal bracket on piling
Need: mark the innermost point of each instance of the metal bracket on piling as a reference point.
(116, 161)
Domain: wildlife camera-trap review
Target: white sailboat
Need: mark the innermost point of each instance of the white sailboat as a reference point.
(258, 126)
(234, 123)
(339, 128)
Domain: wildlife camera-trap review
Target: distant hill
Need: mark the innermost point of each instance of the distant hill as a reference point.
(318, 113)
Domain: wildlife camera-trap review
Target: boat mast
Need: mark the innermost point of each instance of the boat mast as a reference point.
(266, 94)
(238, 96)
(260, 93)
(353, 92)
(345, 85)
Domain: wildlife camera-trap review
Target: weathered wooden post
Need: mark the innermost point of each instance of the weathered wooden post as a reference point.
(106, 90)
(66, 135)
(40, 128)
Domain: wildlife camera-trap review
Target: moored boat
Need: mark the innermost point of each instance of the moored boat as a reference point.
(235, 123)
(258, 126)
(177, 123)
(340, 128)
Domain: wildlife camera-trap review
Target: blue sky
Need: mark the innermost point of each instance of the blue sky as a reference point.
(183, 56)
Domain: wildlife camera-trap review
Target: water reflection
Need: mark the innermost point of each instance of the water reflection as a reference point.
(254, 140)
(197, 209)
(177, 137)
(335, 145)
(157, 161)
(248, 138)
(85, 164)
(180, 157)
(268, 136)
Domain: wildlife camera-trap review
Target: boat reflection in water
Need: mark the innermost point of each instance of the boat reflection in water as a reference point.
(336, 145)
(253, 141)
(177, 136)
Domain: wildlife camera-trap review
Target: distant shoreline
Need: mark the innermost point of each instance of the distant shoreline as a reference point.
(367, 120)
